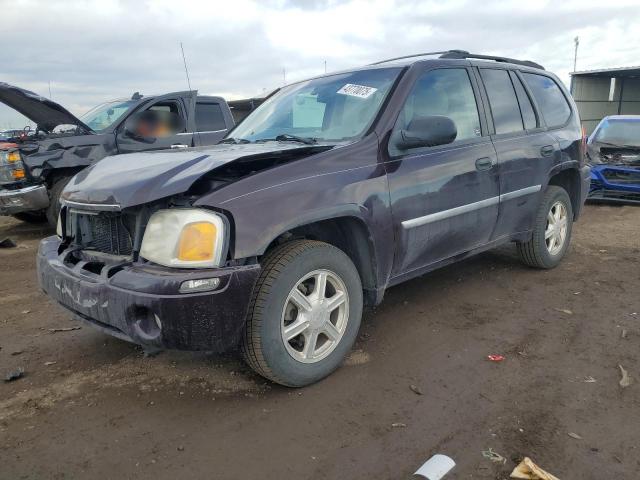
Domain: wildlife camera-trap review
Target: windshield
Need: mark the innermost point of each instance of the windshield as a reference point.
(333, 108)
(106, 114)
(619, 131)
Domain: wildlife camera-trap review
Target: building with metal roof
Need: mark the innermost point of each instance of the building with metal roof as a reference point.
(603, 92)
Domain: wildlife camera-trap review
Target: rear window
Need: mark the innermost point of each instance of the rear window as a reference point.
(503, 101)
(209, 117)
(551, 102)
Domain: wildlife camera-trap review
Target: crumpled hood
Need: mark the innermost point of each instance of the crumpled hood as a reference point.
(46, 113)
(137, 178)
(615, 155)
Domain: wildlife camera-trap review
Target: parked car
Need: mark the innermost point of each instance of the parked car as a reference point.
(36, 168)
(9, 135)
(613, 151)
(333, 190)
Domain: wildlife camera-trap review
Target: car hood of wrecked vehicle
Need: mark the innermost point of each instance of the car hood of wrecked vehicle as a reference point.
(610, 153)
(128, 180)
(45, 113)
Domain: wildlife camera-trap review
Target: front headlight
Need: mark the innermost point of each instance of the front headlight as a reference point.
(185, 238)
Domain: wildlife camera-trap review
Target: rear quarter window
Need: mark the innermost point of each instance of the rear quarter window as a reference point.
(209, 117)
(550, 99)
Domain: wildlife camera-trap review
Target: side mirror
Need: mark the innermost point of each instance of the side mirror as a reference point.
(426, 132)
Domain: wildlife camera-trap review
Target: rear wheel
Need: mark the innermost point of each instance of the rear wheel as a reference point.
(551, 231)
(53, 210)
(39, 216)
(304, 315)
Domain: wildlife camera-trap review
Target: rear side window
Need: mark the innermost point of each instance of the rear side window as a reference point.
(528, 115)
(209, 117)
(503, 101)
(552, 103)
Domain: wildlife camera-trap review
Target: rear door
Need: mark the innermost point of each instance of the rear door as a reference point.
(444, 199)
(523, 147)
(213, 120)
(177, 106)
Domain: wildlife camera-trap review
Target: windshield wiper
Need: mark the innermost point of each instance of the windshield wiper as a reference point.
(287, 137)
(234, 141)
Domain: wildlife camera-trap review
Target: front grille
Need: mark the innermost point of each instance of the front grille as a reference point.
(105, 232)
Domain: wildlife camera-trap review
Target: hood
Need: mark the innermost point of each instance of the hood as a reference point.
(608, 153)
(45, 113)
(133, 179)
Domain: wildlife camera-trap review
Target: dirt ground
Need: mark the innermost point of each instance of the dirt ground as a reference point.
(91, 406)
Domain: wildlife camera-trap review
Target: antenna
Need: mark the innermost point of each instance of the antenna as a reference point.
(186, 70)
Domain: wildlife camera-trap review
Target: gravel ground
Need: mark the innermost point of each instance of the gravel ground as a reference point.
(91, 406)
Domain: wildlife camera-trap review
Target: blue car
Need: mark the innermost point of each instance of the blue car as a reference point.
(613, 151)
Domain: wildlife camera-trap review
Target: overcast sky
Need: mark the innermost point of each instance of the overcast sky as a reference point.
(92, 51)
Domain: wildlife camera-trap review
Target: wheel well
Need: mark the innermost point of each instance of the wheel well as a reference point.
(350, 235)
(58, 173)
(569, 180)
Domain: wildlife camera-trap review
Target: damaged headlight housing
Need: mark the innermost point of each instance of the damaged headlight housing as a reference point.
(185, 238)
(13, 167)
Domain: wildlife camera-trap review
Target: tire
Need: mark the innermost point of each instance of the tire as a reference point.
(294, 363)
(36, 217)
(53, 210)
(540, 252)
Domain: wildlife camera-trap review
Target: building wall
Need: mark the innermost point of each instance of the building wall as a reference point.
(591, 95)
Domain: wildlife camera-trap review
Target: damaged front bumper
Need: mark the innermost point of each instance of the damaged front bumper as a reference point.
(615, 183)
(142, 303)
(27, 199)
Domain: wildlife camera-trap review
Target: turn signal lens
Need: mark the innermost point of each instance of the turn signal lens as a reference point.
(13, 157)
(197, 242)
(18, 174)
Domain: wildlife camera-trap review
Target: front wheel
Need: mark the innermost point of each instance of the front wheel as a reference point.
(305, 313)
(551, 230)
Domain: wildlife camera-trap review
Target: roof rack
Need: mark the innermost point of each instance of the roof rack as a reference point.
(462, 54)
(414, 55)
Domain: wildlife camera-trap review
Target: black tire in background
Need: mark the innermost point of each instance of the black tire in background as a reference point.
(53, 210)
(263, 346)
(36, 217)
(535, 252)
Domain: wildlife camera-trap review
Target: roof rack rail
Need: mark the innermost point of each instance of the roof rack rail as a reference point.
(414, 55)
(464, 54)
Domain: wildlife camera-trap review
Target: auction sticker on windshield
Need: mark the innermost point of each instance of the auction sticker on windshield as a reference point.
(360, 91)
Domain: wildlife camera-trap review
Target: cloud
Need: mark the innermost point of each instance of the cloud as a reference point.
(95, 51)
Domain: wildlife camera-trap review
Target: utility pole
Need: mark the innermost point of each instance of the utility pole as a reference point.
(576, 41)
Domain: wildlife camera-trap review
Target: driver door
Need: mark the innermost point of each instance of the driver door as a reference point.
(174, 104)
(444, 199)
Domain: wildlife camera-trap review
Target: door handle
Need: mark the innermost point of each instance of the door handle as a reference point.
(179, 145)
(547, 150)
(484, 163)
